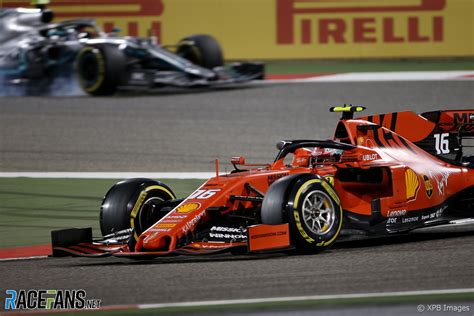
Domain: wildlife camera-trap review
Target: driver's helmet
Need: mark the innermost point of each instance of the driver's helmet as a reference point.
(324, 155)
(301, 157)
(85, 31)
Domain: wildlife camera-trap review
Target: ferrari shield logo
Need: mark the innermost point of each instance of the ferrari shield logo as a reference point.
(428, 186)
(329, 179)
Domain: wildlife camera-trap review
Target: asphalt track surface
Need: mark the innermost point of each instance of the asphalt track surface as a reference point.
(183, 131)
(424, 260)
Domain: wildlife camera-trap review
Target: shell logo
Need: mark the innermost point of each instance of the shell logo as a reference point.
(412, 184)
(186, 208)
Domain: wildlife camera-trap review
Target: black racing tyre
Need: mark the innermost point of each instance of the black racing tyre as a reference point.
(315, 214)
(132, 204)
(202, 50)
(274, 204)
(100, 69)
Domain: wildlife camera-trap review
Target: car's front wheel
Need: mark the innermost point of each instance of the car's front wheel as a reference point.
(315, 214)
(310, 205)
(133, 204)
(202, 50)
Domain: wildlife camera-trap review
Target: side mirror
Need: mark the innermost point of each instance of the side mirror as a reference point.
(239, 160)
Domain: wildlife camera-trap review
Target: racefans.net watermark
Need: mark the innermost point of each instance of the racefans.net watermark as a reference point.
(49, 300)
(444, 308)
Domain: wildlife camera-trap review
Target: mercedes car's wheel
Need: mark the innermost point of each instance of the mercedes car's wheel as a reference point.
(133, 204)
(100, 69)
(202, 50)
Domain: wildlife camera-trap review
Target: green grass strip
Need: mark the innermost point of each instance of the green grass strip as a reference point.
(31, 208)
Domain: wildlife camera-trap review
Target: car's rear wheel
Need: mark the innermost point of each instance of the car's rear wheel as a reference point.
(133, 204)
(100, 70)
(202, 50)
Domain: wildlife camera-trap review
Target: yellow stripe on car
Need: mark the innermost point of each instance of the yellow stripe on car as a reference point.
(348, 108)
(101, 66)
(302, 188)
(300, 227)
(333, 194)
(330, 241)
(139, 202)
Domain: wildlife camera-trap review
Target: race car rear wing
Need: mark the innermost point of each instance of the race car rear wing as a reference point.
(452, 120)
(439, 133)
(458, 124)
(466, 140)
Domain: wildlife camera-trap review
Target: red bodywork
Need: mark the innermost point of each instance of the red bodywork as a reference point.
(400, 174)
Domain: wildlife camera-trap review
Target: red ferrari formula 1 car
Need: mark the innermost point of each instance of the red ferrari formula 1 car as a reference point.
(381, 174)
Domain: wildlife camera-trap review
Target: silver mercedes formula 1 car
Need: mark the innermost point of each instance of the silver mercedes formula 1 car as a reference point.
(34, 52)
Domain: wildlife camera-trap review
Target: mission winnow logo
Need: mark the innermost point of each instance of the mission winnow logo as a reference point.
(49, 299)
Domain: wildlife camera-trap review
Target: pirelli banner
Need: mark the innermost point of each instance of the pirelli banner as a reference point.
(292, 29)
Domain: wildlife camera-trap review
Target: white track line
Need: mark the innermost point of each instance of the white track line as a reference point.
(109, 175)
(23, 258)
(461, 222)
(395, 76)
(305, 298)
(384, 76)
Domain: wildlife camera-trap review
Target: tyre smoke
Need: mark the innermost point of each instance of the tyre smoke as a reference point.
(57, 86)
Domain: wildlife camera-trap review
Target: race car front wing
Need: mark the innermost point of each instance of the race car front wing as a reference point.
(79, 242)
(229, 74)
